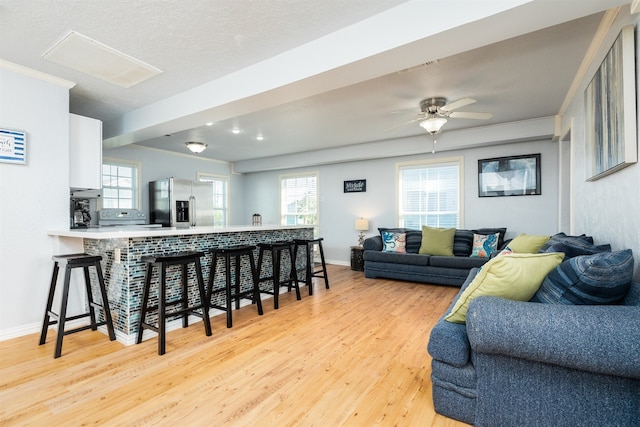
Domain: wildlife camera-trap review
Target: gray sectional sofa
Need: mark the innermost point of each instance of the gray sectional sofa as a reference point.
(570, 359)
(415, 267)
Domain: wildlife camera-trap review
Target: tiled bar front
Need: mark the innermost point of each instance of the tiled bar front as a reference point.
(125, 279)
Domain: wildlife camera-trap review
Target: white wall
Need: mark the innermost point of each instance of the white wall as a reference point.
(158, 164)
(338, 211)
(607, 208)
(33, 197)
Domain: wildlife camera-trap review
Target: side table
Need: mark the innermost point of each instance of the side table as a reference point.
(357, 258)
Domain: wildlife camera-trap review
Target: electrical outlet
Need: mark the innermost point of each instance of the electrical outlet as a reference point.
(116, 255)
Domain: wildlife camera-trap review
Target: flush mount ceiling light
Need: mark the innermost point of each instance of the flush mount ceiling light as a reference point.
(99, 60)
(196, 147)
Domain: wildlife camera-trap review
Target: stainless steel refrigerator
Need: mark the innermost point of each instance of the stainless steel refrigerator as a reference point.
(180, 203)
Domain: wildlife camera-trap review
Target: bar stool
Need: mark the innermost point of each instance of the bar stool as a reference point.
(310, 268)
(182, 259)
(276, 249)
(69, 262)
(232, 291)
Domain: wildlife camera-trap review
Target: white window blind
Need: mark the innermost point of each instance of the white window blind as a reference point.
(429, 195)
(220, 197)
(299, 199)
(119, 185)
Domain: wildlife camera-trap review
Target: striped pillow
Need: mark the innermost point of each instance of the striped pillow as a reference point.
(602, 278)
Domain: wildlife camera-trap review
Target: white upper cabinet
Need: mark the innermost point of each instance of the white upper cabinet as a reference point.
(85, 152)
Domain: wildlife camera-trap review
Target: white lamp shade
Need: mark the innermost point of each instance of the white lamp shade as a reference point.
(362, 224)
(433, 124)
(196, 147)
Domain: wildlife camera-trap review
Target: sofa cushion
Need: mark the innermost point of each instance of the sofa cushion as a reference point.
(484, 245)
(529, 244)
(394, 242)
(437, 241)
(575, 246)
(501, 232)
(515, 277)
(457, 262)
(414, 237)
(395, 258)
(448, 341)
(462, 242)
(561, 237)
(589, 279)
(373, 243)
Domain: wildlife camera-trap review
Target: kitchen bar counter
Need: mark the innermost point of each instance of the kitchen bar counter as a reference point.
(122, 247)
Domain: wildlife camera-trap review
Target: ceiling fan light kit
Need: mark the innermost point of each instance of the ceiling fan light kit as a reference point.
(196, 147)
(433, 124)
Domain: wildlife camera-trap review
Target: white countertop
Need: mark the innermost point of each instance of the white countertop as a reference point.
(117, 232)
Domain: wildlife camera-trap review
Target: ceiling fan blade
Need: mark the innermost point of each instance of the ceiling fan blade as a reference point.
(457, 104)
(417, 119)
(468, 115)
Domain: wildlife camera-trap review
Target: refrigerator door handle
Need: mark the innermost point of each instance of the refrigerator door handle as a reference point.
(192, 210)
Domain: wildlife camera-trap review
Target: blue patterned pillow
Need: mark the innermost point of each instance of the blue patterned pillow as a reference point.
(602, 278)
(484, 246)
(394, 242)
(414, 237)
(573, 247)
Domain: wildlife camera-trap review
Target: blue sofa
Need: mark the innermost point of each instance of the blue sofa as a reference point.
(532, 364)
(415, 267)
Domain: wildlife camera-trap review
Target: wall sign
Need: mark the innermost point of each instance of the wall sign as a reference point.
(355, 186)
(13, 146)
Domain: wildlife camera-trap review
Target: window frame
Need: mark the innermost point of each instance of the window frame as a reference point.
(283, 214)
(426, 163)
(137, 187)
(209, 177)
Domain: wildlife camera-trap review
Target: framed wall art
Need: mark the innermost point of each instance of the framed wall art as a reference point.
(355, 186)
(13, 146)
(509, 176)
(610, 110)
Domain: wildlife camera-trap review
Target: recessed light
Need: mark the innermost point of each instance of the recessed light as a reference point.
(259, 137)
(210, 124)
(235, 131)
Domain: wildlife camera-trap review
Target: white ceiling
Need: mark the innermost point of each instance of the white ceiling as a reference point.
(308, 75)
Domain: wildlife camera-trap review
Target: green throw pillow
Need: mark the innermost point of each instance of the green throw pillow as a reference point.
(514, 276)
(527, 244)
(437, 241)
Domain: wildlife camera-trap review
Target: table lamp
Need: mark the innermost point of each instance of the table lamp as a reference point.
(361, 225)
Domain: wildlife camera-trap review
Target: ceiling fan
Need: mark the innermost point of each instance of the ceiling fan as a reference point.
(434, 113)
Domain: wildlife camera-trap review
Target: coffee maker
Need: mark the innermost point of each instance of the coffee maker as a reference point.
(83, 205)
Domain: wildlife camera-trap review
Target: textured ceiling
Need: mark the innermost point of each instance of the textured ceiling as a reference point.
(518, 63)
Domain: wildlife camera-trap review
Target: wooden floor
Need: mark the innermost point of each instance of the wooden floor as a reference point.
(354, 355)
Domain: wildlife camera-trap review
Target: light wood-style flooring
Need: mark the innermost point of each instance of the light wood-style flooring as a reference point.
(353, 355)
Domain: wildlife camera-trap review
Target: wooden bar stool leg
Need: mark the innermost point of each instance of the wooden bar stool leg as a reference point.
(162, 310)
(237, 283)
(324, 266)
(145, 301)
(256, 289)
(203, 299)
(275, 260)
(105, 303)
(63, 312)
(309, 266)
(293, 276)
(229, 306)
(92, 311)
(47, 318)
(185, 296)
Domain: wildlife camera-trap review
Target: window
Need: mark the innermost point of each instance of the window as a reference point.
(430, 194)
(220, 198)
(299, 199)
(120, 185)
